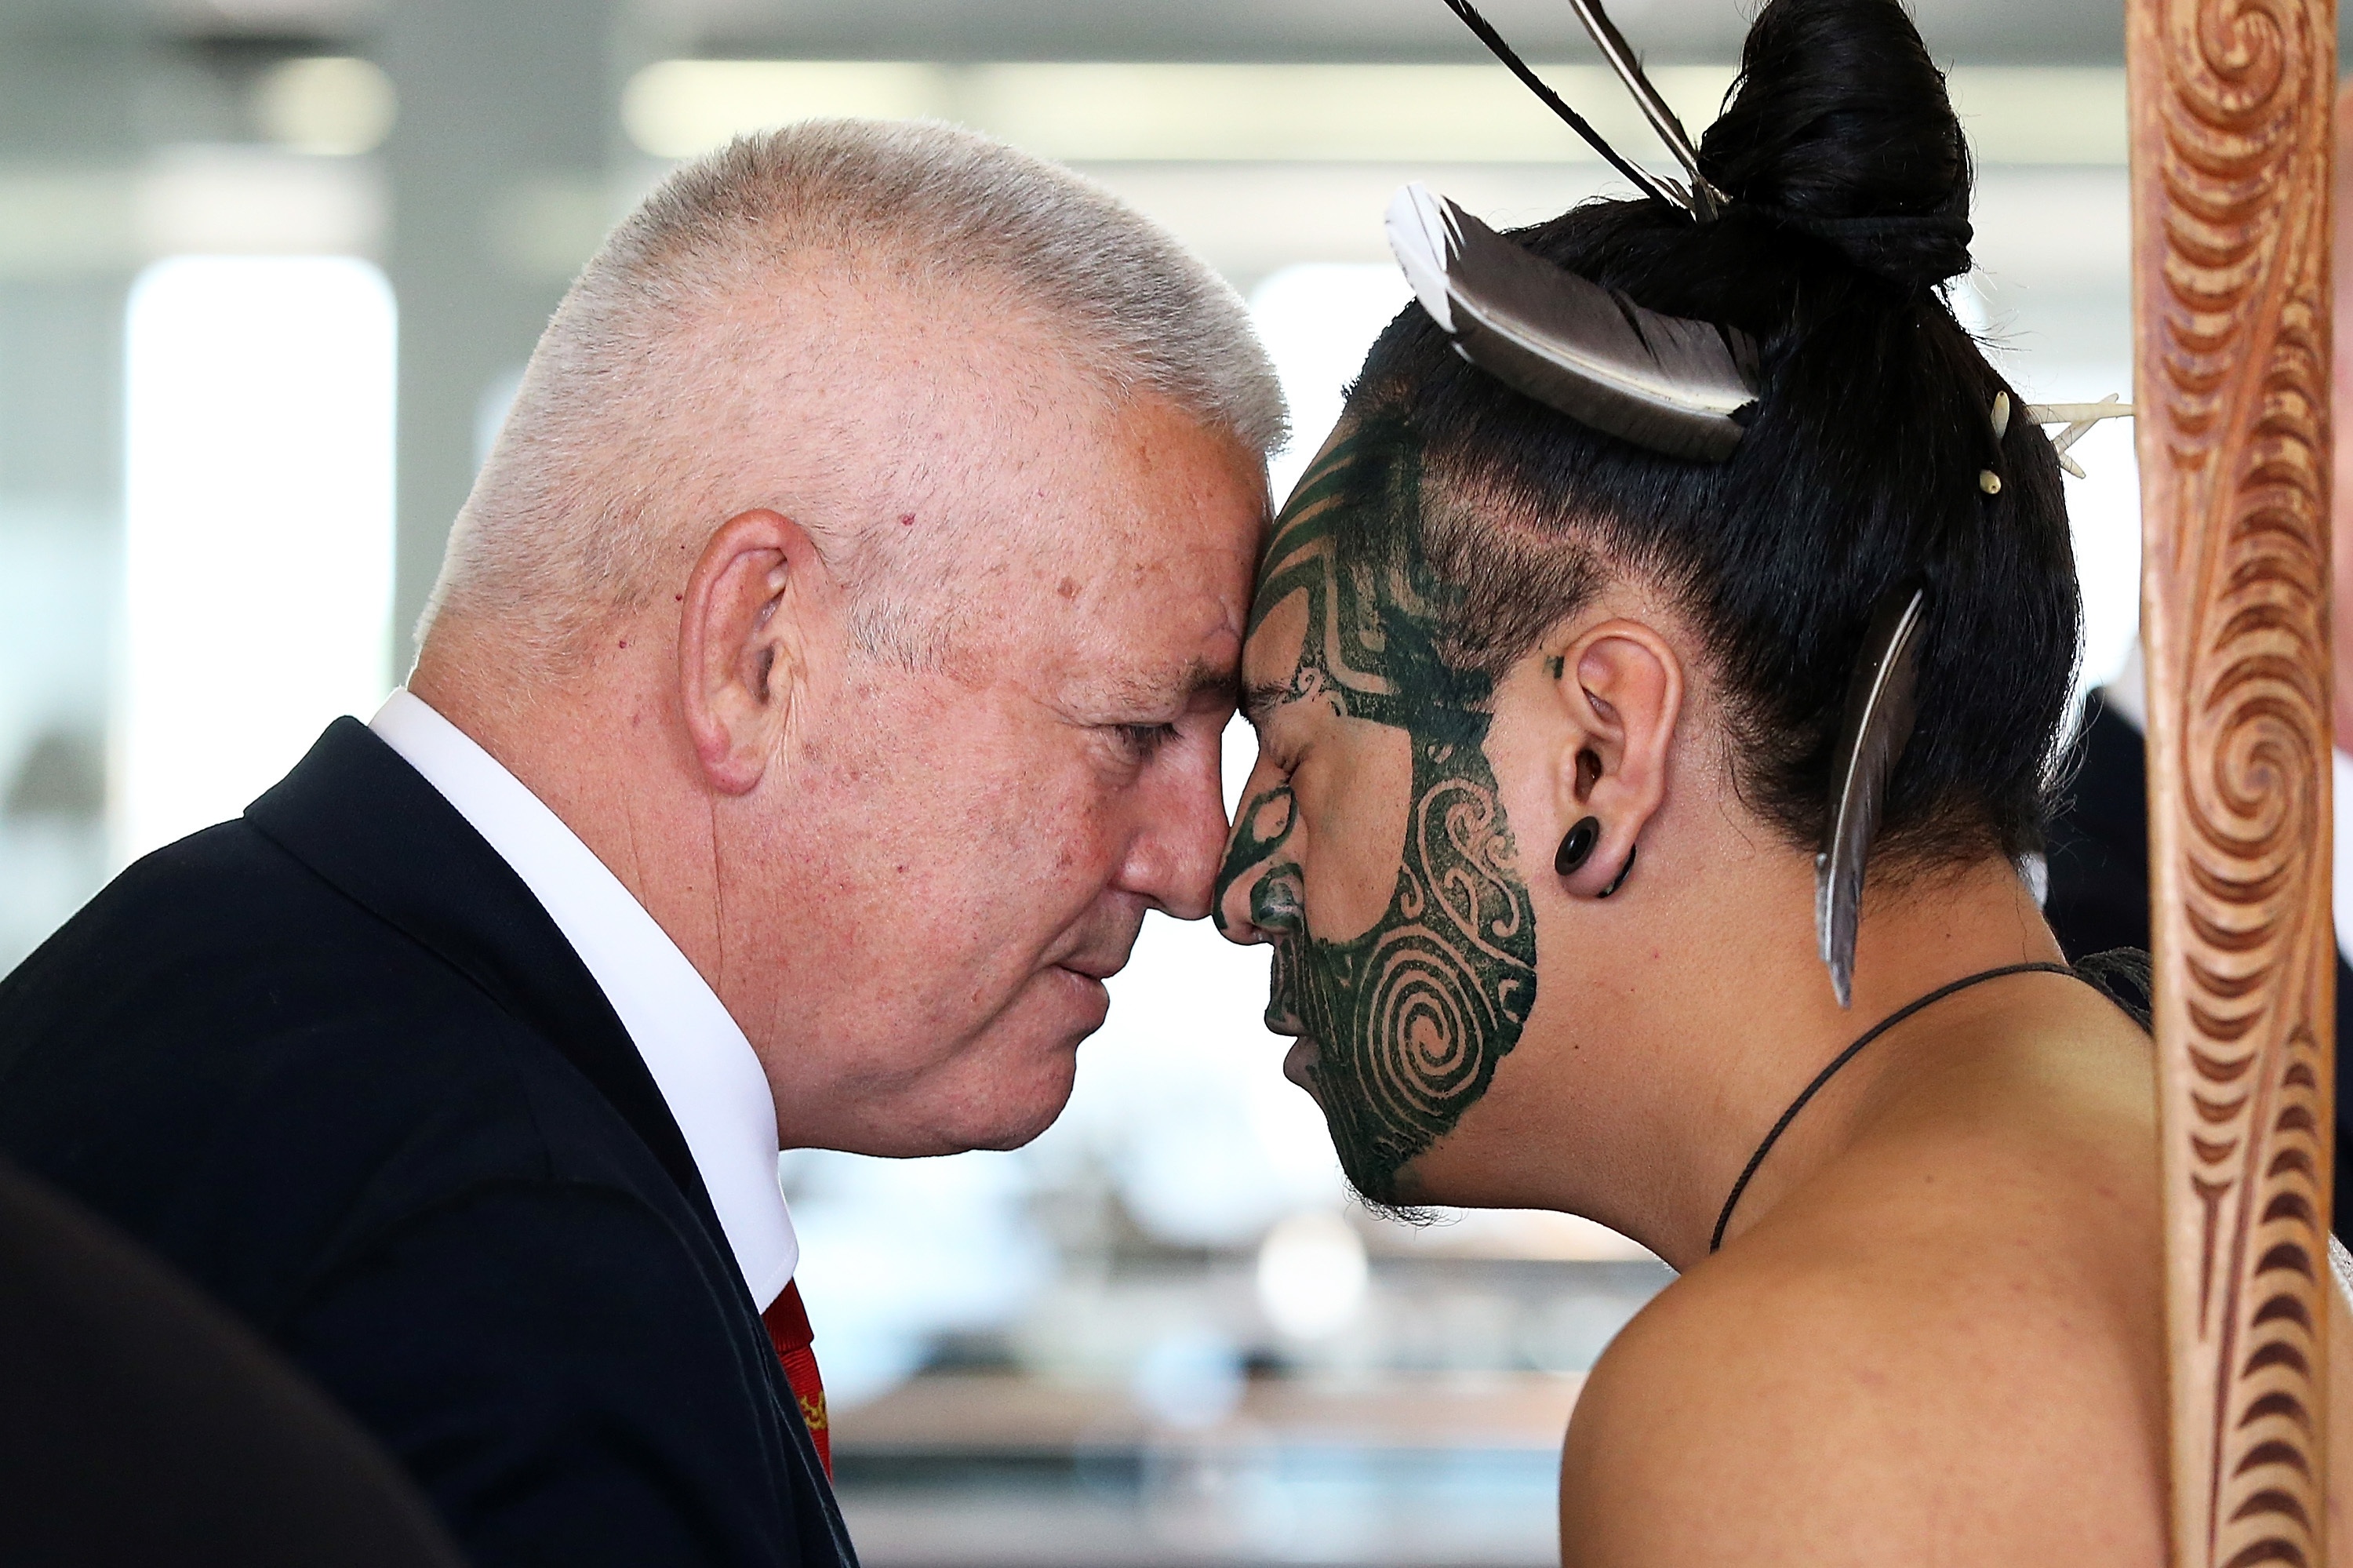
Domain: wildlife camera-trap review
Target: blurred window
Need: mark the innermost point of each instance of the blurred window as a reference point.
(257, 548)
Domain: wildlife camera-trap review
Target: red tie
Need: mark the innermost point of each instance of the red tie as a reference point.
(788, 1330)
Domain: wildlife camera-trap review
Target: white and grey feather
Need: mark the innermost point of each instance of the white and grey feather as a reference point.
(1674, 385)
(1872, 732)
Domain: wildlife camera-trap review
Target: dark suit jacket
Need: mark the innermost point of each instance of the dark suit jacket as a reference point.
(140, 1425)
(335, 1063)
(2098, 858)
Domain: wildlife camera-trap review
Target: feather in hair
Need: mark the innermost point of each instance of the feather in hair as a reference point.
(1673, 386)
(1871, 735)
(1704, 201)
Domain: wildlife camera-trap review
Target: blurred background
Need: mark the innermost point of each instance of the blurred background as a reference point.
(268, 269)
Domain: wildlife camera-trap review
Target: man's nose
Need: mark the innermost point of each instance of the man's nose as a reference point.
(1175, 860)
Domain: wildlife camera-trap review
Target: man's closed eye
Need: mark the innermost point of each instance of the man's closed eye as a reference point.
(1142, 740)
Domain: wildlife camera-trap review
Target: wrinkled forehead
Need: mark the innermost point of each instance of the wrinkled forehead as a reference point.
(1127, 567)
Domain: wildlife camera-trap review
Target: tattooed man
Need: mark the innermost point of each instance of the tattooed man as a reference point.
(1548, 724)
(1933, 1325)
(1401, 1021)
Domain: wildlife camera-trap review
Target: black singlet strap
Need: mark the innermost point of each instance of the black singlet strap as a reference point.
(1848, 1054)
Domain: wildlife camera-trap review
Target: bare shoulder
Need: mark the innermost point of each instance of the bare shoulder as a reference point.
(1873, 1396)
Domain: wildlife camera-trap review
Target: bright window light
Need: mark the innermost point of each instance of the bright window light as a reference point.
(1116, 112)
(332, 105)
(678, 108)
(1318, 322)
(258, 539)
(1108, 111)
(1311, 1274)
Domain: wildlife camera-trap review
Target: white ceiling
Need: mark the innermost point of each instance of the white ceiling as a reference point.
(2011, 31)
(2023, 32)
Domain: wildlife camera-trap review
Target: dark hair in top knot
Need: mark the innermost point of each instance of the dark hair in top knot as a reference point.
(1840, 128)
(1849, 184)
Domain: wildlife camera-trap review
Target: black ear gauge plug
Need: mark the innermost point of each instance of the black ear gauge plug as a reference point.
(1577, 847)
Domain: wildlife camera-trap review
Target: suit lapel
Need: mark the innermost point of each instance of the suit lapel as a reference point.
(367, 823)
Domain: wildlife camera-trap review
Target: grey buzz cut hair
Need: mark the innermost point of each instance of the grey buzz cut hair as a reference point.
(573, 516)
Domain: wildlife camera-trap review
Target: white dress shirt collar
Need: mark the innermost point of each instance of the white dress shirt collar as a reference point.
(705, 1068)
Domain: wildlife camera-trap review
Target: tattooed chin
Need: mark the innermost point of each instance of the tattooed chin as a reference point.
(1367, 1158)
(1323, 1065)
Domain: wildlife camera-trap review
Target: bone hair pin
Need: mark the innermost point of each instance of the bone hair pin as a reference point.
(2079, 418)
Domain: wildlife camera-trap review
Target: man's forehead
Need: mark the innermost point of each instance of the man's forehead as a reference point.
(1278, 644)
(1135, 499)
(1148, 685)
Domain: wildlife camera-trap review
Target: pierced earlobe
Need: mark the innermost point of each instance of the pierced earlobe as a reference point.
(1577, 847)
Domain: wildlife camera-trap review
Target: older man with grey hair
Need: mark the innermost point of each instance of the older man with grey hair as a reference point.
(825, 678)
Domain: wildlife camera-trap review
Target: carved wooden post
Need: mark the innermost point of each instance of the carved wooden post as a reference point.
(2231, 104)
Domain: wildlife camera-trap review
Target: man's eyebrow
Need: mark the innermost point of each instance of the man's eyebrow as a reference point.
(1207, 680)
(1195, 678)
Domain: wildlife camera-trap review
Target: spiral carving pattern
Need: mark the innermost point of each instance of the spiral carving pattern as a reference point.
(2230, 117)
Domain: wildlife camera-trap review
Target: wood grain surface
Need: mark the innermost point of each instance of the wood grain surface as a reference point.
(2231, 104)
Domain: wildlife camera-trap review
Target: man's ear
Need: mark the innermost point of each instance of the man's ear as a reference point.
(757, 593)
(1621, 685)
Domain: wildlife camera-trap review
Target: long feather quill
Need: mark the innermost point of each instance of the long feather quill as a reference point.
(1705, 200)
(1674, 385)
(1871, 736)
(1486, 32)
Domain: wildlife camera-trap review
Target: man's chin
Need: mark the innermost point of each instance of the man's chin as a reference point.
(1008, 1120)
(1004, 1087)
(1398, 1193)
(1014, 1087)
(1007, 1112)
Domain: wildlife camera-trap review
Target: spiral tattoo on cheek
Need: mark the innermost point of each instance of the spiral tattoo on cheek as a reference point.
(1411, 1017)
